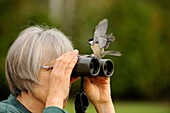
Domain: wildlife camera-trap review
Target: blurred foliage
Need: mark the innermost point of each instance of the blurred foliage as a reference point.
(141, 28)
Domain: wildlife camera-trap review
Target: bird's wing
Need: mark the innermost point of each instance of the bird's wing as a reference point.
(101, 28)
(102, 41)
(110, 38)
(100, 36)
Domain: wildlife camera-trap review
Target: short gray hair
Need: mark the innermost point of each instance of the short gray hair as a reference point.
(34, 47)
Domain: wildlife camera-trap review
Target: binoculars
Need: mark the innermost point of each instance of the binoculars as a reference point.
(91, 67)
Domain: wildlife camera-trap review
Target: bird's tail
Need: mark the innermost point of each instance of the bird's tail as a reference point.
(113, 53)
(111, 38)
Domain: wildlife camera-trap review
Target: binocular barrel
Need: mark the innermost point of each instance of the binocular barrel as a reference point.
(91, 66)
(106, 67)
(86, 66)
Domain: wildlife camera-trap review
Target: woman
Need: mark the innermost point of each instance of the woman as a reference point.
(38, 89)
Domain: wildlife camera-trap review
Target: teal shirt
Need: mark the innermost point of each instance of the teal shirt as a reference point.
(12, 105)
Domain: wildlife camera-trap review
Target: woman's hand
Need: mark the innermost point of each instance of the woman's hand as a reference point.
(59, 84)
(99, 93)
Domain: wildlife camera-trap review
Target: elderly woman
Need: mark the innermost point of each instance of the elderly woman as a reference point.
(36, 89)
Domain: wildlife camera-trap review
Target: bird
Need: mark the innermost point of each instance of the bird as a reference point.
(101, 41)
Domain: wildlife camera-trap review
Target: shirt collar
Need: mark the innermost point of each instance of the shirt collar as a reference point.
(18, 104)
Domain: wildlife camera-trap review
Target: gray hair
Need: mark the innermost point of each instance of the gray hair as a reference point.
(34, 47)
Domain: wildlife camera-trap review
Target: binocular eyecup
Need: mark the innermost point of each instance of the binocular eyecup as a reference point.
(91, 66)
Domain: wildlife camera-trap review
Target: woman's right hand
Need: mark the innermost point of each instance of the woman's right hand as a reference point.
(59, 85)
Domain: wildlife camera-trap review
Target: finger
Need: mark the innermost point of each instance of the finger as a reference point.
(74, 79)
(101, 80)
(87, 83)
(71, 66)
(68, 59)
(61, 63)
(58, 61)
(57, 68)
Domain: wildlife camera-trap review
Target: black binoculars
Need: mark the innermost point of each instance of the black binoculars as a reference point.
(91, 66)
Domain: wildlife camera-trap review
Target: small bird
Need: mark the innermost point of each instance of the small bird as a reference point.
(101, 41)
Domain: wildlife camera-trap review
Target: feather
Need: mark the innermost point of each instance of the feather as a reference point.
(101, 28)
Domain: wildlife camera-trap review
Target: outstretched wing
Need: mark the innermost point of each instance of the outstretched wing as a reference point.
(100, 36)
(101, 28)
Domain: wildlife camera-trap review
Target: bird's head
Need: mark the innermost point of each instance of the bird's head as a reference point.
(91, 41)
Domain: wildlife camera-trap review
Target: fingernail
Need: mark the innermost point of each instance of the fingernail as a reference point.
(76, 51)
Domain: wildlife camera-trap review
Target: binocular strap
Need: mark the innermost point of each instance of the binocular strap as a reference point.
(81, 101)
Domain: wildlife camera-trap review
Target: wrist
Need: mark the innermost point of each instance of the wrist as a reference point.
(106, 107)
(58, 102)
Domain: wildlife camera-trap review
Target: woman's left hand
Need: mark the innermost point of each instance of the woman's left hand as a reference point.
(98, 89)
(99, 93)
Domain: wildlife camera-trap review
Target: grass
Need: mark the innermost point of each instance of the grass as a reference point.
(129, 107)
(141, 107)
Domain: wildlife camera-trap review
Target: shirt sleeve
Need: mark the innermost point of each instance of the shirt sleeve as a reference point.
(53, 109)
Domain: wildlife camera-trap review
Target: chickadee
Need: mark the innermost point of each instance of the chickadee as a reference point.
(101, 41)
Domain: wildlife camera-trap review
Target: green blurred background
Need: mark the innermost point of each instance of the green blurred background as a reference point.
(141, 28)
